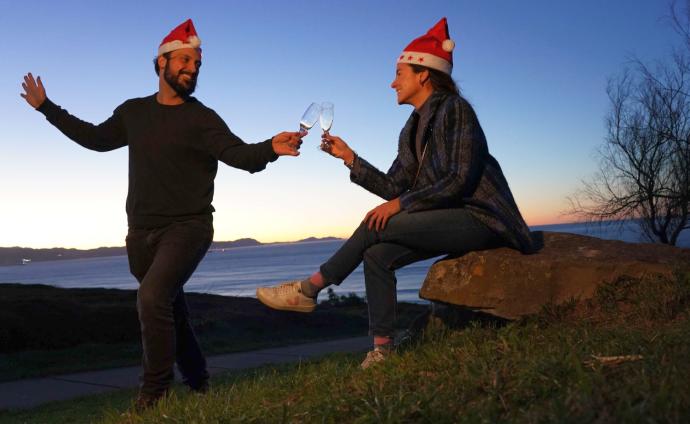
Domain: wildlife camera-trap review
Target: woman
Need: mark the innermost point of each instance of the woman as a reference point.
(445, 194)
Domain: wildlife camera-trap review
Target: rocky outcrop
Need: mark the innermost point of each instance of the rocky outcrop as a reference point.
(507, 284)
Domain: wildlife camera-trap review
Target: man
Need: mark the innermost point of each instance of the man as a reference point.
(175, 143)
(445, 194)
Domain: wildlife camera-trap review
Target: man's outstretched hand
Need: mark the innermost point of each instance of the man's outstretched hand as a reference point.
(34, 93)
(287, 143)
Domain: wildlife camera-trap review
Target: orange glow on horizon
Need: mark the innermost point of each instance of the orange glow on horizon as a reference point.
(548, 219)
(546, 214)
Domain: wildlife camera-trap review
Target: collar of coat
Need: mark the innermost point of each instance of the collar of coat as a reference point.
(408, 132)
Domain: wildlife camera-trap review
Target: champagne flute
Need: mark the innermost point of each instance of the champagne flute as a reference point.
(326, 117)
(309, 118)
(326, 122)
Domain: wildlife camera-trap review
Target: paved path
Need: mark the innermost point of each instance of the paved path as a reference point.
(30, 393)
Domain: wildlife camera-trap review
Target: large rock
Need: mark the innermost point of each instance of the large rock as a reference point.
(507, 284)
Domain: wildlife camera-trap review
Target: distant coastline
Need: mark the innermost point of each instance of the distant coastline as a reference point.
(25, 255)
(628, 231)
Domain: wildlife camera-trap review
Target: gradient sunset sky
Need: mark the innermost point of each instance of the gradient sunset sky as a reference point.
(535, 71)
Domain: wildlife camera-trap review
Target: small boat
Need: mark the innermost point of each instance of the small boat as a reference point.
(26, 261)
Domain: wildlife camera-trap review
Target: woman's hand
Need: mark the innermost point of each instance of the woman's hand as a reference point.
(379, 216)
(336, 147)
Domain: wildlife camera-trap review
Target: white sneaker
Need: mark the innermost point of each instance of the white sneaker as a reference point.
(374, 357)
(286, 297)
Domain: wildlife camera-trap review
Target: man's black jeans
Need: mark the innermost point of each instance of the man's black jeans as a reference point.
(407, 238)
(162, 260)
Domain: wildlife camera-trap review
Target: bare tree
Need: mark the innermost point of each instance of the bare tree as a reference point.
(644, 169)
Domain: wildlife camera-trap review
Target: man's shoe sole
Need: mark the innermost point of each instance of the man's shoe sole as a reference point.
(270, 304)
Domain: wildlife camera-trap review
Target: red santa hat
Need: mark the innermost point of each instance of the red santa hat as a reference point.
(182, 37)
(433, 49)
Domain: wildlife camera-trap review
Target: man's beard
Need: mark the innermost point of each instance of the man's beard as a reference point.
(174, 82)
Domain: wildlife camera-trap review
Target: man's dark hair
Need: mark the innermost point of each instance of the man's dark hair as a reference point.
(440, 81)
(155, 62)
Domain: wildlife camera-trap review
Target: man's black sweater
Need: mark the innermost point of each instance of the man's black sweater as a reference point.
(173, 154)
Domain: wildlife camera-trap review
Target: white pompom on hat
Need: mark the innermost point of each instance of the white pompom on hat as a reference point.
(433, 49)
(182, 37)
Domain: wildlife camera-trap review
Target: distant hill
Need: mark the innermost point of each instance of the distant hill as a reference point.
(308, 239)
(15, 255)
(18, 255)
(243, 242)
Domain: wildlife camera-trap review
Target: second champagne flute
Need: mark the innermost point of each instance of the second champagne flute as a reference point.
(326, 121)
(326, 117)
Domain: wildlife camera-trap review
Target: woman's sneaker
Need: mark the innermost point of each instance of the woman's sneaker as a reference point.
(286, 297)
(374, 357)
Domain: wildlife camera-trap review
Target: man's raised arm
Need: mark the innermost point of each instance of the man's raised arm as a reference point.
(106, 136)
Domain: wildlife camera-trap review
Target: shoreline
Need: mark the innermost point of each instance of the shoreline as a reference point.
(11, 256)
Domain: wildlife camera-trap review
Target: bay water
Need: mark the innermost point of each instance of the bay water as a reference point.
(238, 271)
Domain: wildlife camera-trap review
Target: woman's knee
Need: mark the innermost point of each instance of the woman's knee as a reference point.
(361, 232)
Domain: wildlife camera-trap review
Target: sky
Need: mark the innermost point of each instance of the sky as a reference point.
(535, 71)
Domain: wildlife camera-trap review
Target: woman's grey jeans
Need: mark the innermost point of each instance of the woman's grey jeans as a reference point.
(407, 238)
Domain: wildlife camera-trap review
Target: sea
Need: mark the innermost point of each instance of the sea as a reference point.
(239, 271)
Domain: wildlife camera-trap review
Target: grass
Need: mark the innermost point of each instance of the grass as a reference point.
(45, 328)
(538, 369)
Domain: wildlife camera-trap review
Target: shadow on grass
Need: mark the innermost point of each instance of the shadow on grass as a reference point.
(639, 302)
